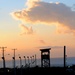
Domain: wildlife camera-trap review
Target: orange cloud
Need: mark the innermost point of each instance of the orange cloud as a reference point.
(26, 30)
(42, 41)
(48, 13)
(32, 3)
(50, 47)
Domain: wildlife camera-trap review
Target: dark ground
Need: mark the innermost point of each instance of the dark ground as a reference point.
(38, 71)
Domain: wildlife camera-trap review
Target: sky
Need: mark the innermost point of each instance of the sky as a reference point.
(29, 25)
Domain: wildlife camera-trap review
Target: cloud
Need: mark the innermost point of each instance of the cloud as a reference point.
(42, 41)
(48, 13)
(73, 7)
(31, 3)
(52, 47)
(26, 30)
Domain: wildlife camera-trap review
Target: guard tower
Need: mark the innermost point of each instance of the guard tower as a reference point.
(45, 57)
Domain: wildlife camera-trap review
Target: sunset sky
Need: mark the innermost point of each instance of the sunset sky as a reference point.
(29, 25)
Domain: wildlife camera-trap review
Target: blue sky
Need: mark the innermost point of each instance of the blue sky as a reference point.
(15, 4)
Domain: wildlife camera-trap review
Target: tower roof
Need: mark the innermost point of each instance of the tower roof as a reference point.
(45, 50)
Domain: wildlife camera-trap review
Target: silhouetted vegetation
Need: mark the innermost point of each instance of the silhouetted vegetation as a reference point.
(39, 71)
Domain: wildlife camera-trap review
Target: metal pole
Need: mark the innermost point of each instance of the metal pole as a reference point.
(20, 64)
(31, 62)
(14, 56)
(49, 60)
(64, 56)
(41, 59)
(25, 60)
(35, 61)
(28, 61)
(3, 59)
(14, 61)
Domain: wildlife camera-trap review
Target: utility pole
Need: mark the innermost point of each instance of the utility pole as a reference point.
(20, 64)
(14, 61)
(31, 61)
(35, 61)
(25, 60)
(64, 56)
(28, 61)
(3, 58)
(14, 57)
